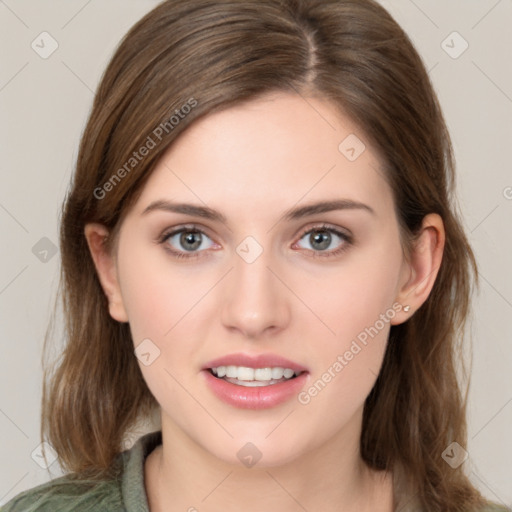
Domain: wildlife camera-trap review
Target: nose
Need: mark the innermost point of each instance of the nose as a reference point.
(256, 302)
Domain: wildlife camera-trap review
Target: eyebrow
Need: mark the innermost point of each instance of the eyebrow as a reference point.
(292, 214)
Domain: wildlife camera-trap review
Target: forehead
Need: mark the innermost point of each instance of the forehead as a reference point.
(270, 153)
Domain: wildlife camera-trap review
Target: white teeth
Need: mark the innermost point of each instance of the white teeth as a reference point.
(263, 374)
(245, 373)
(277, 373)
(232, 372)
(254, 374)
(288, 373)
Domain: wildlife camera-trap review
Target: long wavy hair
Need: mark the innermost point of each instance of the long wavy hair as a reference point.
(212, 55)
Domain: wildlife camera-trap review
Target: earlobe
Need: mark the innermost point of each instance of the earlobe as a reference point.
(104, 261)
(422, 268)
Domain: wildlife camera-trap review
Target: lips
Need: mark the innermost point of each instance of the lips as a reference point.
(254, 361)
(261, 397)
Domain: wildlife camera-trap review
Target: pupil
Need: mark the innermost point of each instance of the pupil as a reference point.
(323, 238)
(188, 238)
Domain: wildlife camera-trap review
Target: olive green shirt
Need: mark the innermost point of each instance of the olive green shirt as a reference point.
(124, 494)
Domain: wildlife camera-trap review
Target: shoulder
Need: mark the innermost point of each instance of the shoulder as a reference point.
(65, 495)
(123, 493)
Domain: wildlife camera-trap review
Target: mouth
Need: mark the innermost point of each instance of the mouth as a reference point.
(254, 382)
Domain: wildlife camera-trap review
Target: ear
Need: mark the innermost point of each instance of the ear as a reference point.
(104, 261)
(420, 271)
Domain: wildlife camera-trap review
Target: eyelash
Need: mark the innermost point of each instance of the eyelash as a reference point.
(346, 238)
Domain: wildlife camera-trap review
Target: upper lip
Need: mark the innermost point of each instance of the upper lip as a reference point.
(254, 361)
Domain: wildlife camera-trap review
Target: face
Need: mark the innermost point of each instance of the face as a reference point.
(242, 275)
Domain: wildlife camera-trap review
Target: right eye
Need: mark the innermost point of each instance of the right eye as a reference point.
(185, 240)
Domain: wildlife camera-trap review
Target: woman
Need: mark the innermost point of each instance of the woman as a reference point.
(260, 244)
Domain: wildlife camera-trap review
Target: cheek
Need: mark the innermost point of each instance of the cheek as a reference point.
(155, 298)
(353, 297)
(156, 303)
(355, 306)
(167, 307)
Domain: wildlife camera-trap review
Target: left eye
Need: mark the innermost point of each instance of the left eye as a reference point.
(320, 239)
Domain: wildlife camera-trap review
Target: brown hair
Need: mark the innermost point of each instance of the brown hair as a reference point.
(211, 55)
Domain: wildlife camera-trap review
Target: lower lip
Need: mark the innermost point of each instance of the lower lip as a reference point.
(261, 397)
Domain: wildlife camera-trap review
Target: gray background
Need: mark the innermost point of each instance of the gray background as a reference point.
(44, 104)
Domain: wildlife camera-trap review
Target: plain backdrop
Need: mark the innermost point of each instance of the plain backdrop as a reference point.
(44, 102)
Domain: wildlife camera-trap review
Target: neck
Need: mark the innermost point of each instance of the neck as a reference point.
(181, 475)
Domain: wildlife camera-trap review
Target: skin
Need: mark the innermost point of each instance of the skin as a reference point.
(252, 163)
